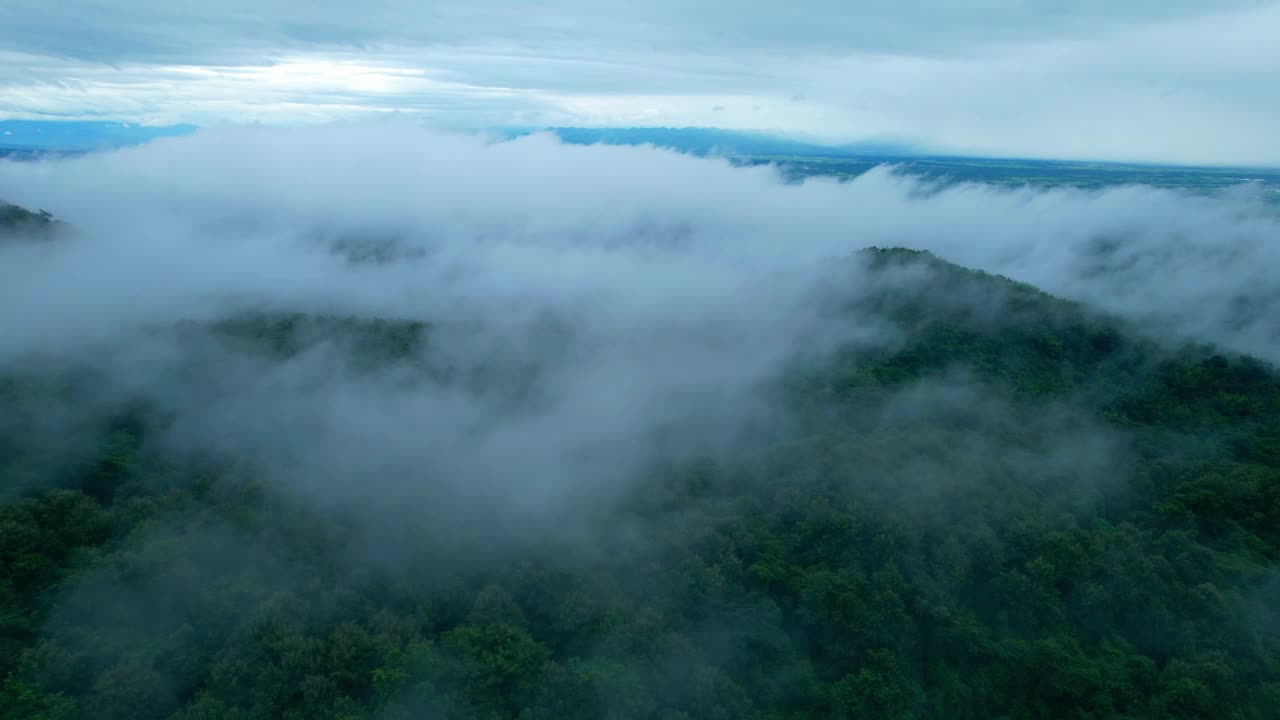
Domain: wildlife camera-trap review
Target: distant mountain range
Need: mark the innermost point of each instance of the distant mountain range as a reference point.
(714, 141)
(25, 137)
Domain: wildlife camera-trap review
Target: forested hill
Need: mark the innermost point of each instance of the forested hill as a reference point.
(1014, 507)
(16, 221)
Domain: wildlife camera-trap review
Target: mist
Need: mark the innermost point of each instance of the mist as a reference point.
(587, 312)
(246, 217)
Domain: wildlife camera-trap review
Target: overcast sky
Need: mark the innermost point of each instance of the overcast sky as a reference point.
(1159, 80)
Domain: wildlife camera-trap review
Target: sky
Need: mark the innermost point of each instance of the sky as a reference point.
(1179, 81)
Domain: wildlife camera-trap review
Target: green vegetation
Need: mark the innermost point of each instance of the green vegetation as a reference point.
(1019, 510)
(18, 221)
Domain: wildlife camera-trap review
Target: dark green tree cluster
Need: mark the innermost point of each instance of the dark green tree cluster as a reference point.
(18, 221)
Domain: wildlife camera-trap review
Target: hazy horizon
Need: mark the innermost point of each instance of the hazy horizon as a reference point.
(76, 136)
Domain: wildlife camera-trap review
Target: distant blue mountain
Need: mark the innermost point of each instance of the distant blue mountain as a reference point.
(713, 141)
(33, 137)
(80, 135)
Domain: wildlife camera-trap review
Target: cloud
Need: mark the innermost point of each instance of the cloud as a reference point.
(534, 195)
(152, 31)
(1089, 80)
(533, 272)
(616, 304)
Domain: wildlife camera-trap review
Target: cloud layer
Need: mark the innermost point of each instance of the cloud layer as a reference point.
(608, 300)
(1090, 79)
(230, 214)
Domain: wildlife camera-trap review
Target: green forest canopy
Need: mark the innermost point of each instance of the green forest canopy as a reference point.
(885, 560)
